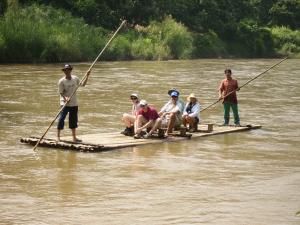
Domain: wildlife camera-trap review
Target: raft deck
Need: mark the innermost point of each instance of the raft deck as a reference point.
(110, 141)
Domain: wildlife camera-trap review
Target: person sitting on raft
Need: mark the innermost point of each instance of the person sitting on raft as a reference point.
(147, 118)
(171, 112)
(129, 119)
(191, 113)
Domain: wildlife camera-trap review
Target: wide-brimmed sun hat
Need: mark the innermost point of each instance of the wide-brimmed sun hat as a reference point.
(192, 95)
(67, 67)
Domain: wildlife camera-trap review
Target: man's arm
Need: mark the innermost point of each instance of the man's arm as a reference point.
(86, 78)
(162, 112)
(61, 90)
(64, 97)
(221, 88)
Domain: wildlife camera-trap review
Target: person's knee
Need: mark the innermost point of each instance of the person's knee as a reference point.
(139, 118)
(172, 116)
(125, 116)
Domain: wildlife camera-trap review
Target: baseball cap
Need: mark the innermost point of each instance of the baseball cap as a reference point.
(172, 90)
(143, 103)
(174, 94)
(67, 67)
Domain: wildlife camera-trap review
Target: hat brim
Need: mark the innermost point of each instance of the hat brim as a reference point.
(64, 69)
(189, 98)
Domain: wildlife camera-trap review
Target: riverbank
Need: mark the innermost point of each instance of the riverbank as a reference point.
(44, 34)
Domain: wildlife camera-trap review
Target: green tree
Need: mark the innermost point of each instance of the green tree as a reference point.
(3, 5)
(286, 13)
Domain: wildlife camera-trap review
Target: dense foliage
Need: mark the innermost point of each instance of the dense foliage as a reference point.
(42, 34)
(75, 30)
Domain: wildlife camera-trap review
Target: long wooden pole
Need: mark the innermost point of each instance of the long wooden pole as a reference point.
(80, 83)
(244, 84)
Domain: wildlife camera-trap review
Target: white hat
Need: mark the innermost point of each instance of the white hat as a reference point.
(192, 95)
(134, 95)
(143, 102)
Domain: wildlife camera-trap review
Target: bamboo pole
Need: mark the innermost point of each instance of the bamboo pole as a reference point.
(276, 64)
(80, 83)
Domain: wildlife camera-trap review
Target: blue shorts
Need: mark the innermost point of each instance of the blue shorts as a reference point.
(73, 117)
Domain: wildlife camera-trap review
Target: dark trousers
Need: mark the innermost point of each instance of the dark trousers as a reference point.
(73, 117)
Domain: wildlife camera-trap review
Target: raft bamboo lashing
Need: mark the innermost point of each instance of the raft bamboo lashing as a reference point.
(110, 141)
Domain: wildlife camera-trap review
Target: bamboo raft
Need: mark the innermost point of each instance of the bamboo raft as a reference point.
(110, 141)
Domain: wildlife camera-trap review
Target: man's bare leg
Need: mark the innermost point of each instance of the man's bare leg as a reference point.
(157, 124)
(58, 135)
(75, 139)
(171, 123)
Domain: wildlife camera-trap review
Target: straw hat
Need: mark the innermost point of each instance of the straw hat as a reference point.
(192, 95)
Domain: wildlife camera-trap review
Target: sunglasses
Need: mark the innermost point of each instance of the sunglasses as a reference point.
(174, 96)
(133, 98)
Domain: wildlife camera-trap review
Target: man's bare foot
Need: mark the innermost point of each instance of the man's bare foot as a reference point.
(77, 140)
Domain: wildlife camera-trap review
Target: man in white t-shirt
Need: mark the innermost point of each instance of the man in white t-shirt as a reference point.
(171, 112)
(66, 86)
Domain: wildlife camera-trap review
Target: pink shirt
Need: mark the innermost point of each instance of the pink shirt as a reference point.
(151, 113)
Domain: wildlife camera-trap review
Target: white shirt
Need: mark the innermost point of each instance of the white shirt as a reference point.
(194, 111)
(135, 108)
(171, 107)
(66, 87)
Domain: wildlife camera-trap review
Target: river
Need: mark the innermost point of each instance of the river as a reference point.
(241, 178)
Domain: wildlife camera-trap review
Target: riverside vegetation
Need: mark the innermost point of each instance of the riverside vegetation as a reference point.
(59, 31)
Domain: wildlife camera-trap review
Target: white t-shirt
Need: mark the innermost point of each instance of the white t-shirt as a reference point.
(171, 107)
(66, 88)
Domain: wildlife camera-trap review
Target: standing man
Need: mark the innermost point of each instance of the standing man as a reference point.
(66, 86)
(229, 86)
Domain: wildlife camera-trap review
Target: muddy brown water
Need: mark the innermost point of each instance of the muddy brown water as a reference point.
(241, 178)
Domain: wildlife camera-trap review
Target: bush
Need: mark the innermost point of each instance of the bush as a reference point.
(165, 40)
(177, 38)
(255, 41)
(119, 49)
(208, 45)
(286, 41)
(43, 34)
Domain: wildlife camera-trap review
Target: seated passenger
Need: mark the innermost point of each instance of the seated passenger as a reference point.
(129, 118)
(171, 112)
(191, 113)
(147, 118)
